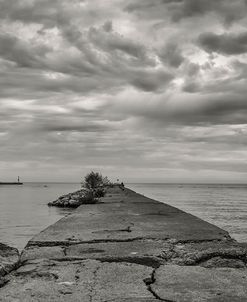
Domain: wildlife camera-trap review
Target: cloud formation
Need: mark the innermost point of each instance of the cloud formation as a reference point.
(134, 88)
(226, 44)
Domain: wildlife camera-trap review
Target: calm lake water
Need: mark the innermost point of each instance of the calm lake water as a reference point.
(222, 205)
(24, 211)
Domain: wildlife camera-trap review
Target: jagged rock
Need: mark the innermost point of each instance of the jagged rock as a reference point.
(72, 200)
(74, 203)
(9, 259)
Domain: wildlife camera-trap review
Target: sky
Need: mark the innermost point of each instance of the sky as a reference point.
(143, 91)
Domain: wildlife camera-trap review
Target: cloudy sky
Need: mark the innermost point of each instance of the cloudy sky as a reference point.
(150, 90)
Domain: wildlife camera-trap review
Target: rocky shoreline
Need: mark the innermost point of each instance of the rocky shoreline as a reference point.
(76, 199)
(9, 260)
(130, 248)
(71, 200)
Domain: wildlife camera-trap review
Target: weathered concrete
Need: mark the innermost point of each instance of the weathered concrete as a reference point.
(197, 284)
(130, 248)
(148, 252)
(88, 280)
(122, 218)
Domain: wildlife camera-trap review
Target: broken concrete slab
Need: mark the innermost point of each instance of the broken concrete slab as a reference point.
(228, 252)
(83, 281)
(198, 284)
(148, 252)
(44, 252)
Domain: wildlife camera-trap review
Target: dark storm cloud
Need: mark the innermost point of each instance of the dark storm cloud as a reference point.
(110, 41)
(24, 54)
(181, 9)
(171, 55)
(35, 84)
(97, 66)
(227, 44)
(151, 80)
(229, 10)
(42, 11)
(97, 43)
(67, 126)
(190, 109)
(111, 58)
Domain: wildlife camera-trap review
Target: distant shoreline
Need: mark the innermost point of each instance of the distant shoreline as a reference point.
(143, 183)
(11, 183)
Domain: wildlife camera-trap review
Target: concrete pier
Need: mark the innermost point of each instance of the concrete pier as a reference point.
(130, 248)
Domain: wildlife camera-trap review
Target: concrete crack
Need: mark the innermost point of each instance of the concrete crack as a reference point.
(150, 261)
(149, 282)
(68, 243)
(227, 238)
(142, 260)
(92, 286)
(127, 229)
(64, 250)
(4, 281)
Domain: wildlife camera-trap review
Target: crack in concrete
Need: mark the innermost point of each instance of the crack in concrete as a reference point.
(68, 243)
(91, 289)
(226, 239)
(127, 229)
(64, 250)
(3, 281)
(149, 261)
(139, 238)
(149, 282)
(142, 260)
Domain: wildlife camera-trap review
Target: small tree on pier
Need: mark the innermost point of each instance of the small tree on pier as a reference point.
(94, 183)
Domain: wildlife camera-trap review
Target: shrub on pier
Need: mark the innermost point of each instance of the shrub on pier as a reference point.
(95, 185)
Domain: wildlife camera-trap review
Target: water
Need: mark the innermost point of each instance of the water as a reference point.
(24, 211)
(222, 205)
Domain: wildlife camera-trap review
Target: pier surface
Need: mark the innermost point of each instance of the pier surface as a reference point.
(129, 248)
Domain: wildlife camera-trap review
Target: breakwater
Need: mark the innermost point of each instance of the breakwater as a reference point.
(130, 248)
